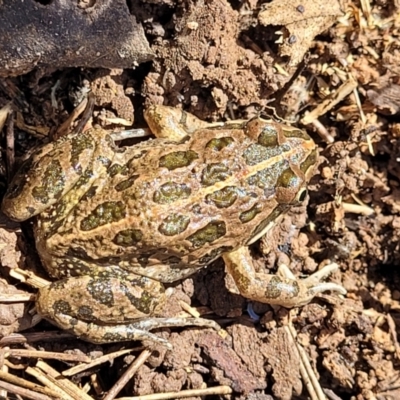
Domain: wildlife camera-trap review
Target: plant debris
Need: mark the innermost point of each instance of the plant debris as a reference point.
(338, 64)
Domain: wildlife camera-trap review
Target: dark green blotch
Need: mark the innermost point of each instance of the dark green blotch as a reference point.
(112, 337)
(172, 260)
(78, 252)
(84, 178)
(288, 179)
(211, 232)
(247, 216)
(90, 193)
(268, 137)
(101, 291)
(53, 183)
(217, 144)
(170, 192)
(85, 313)
(214, 173)
(310, 161)
(103, 214)
(126, 184)
(62, 307)
(296, 133)
(178, 159)
(128, 237)
(79, 143)
(224, 197)
(142, 303)
(174, 224)
(116, 169)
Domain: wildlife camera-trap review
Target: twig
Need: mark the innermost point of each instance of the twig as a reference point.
(26, 393)
(186, 307)
(127, 376)
(330, 101)
(29, 277)
(10, 378)
(10, 158)
(357, 208)
(18, 338)
(306, 370)
(106, 358)
(392, 330)
(49, 383)
(62, 382)
(218, 390)
(16, 297)
(64, 127)
(49, 354)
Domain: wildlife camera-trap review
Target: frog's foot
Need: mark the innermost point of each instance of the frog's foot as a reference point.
(312, 284)
(281, 289)
(138, 330)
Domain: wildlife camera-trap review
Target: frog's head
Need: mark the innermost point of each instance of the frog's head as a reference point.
(285, 154)
(281, 161)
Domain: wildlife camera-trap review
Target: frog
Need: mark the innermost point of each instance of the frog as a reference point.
(114, 224)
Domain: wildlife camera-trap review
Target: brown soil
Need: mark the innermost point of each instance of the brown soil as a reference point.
(223, 60)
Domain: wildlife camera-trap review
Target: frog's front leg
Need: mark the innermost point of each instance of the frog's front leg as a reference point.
(110, 308)
(281, 289)
(172, 123)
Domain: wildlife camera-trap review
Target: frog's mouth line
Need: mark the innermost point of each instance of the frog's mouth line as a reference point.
(266, 225)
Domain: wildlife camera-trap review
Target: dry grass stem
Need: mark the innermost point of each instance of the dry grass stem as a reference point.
(343, 91)
(62, 382)
(4, 111)
(322, 131)
(392, 330)
(26, 393)
(218, 390)
(49, 354)
(65, 127)
(313, 386)
(16, 298)
(48, 382)
(357, 208)
(192, 311)
(29, 277)
(7, 377)
(97, 361)
(128, 374)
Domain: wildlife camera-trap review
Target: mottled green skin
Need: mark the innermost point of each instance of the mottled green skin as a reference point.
(113, 223)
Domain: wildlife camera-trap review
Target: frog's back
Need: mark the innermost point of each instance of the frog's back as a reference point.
(187, 201)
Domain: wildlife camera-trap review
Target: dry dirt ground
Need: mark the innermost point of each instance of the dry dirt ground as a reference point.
(330, 68)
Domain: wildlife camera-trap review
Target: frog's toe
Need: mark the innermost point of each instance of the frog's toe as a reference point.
(313, 282)
(307, 288)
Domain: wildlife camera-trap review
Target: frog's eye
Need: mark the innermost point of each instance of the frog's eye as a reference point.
(301, 195)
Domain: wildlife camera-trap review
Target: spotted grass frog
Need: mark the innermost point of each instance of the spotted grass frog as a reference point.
(113, 224)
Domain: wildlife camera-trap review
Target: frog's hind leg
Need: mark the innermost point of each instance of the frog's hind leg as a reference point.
(139, 330)
(110, 306)
(281, 289)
